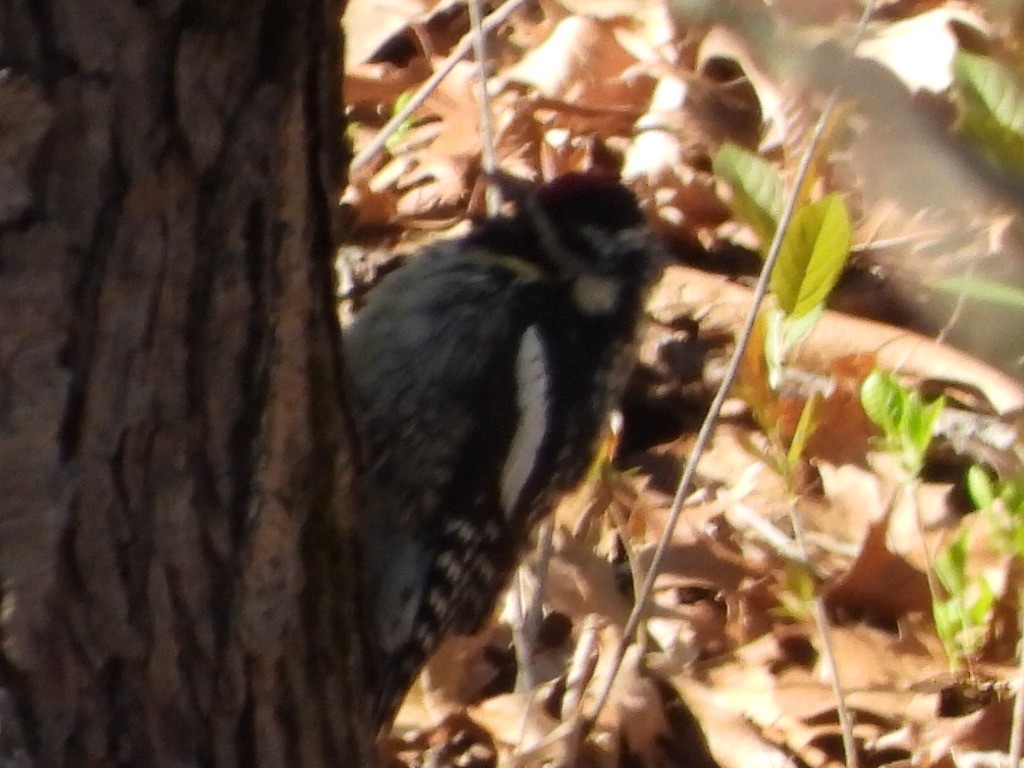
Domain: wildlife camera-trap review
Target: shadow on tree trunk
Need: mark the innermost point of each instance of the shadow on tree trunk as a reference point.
(176, 563)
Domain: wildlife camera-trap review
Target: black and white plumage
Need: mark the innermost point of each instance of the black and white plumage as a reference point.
(482, 373)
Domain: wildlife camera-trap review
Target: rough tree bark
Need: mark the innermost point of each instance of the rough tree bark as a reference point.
(175, 566)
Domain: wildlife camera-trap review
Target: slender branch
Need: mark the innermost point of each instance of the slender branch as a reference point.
(490, 157)
(1017, 729)
(461, 51)
(707, 427)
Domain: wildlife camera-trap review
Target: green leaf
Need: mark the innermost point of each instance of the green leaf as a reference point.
(991, 109)
(962, 619)
(948, 625)
(906, 421)
(796, 327)
(980, 487)
(881, 398)
(1002, 503)
(812, 257)
(983, 290)
(1002, 148)
(804, 429)
(774, 347)
(984, 83)
(951, 566)
(395, 141)
(1011, 493)
(756, 188)
(781, 335)
(979, 609)
(919, 423)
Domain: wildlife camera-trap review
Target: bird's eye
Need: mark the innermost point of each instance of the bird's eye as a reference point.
(595, 294)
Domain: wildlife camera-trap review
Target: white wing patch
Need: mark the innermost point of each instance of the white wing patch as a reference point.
(532, 395)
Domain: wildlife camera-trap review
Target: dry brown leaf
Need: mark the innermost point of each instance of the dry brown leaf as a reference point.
(819, 13)
(639, 709)
(1004, 629)
(654, 35)
(745, 685)
(879, 583)
(383, 83)
(372, 209)
(580, 583)
(657, 151)
(691, 618)
(634, 715)
(842, 430)
(563, 151)
(369, 23)
(930, 509)
(722, 305)
(518, 723)
(879, 671)
(920, 50)
(459, 669)
(691, 204)
(733, 740)
(656, 158)
(580, 61)
(572, 102)
(858, 498)
(716, 565)
(436, 184)
(723, 43)
(987, 730)
(456, 741)
(602, 9)
(455, 104)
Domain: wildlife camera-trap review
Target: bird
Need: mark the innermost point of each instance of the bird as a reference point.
(480, 376)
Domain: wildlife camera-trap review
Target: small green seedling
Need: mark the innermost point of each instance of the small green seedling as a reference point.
(813, 252)
(962, 617)
(963, 609)
(1002, 503)
(812, 257)
(906, 421)
(399, 137)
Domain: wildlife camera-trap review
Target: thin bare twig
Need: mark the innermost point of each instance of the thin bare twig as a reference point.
(824, 627)
(489, 155)
(527, 618)
(461, 51)
(580, 672)
(1017, 729)
(707, 427)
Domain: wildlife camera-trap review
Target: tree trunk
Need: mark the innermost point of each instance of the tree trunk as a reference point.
(174, 469)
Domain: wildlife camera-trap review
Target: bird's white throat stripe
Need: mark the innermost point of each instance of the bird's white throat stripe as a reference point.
(532, 395)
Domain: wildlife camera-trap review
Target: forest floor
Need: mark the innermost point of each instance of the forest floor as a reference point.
(823, 600)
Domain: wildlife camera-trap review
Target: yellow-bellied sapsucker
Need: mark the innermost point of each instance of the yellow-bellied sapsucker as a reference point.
(482, 374)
